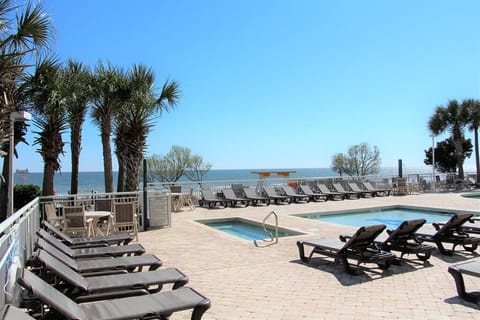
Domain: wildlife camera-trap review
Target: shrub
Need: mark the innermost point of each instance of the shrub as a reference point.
(24, 193)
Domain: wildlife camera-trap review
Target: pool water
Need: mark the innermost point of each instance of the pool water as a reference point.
(472, 195)
(247, 230)
(392, 218)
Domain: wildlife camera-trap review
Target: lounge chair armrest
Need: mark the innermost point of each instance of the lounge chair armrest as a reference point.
(344, 237)
(437, 226)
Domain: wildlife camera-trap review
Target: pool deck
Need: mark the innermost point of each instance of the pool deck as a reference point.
(246, 282)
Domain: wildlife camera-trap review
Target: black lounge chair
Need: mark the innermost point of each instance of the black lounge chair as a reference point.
(363, 193)
(230, 196)
(273, 195)
(450, 232)
(403, 239)
(130, 264)
(113, 239)
(470, 227)
(378, 192)
(92, 252)
(360, 247)
(10, 312)
(331, 195)
(78, 287)
(211, 200)
(471, 268)
(251, 195)
(159, 305)
(348, 194)
(294, 195)
(306, 190)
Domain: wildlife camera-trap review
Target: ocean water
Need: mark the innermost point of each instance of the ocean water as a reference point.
(94, 181)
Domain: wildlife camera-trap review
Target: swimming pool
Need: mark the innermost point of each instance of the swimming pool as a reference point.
(390, 216)
(246, 229)
(471, 195)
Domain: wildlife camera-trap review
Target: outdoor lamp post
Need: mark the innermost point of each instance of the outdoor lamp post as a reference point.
(433, 164)
(14, 117)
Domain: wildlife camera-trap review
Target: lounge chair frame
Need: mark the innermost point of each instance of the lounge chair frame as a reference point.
(158, 305)
(112, 239)
(270, 192)
(77, 285)
(211, 200)
(363, 193)
(360, 247)
(378, 192)
(348, 194)
(130, 263)
(451, 232)
(314, 196)
(91, 252)
(331, 195)
(471, 268)
(234, 200)
(294, 195)
(403, 239)
(250, 194)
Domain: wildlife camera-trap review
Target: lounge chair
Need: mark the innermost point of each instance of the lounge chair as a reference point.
(112, 239)
(160, 305)
(254, 197)
(348, 194)
(360, 247)
(270, 192)
(378, 192)
(450, 232)
(95, 252)
(331, 195)
(76, 285)
(403, 239)
(306, 190)
(130, 264)
(363, 193)
(230, 196)
(294, 195)
(471, 268)
(211, 200)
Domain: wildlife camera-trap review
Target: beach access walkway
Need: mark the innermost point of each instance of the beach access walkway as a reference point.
(247, 282)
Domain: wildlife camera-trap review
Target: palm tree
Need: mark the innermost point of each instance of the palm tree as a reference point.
(22, 37)
(107, 98)
(473, 109)
(136, 119)
(46, 102)
(452, 118)
(76, 93)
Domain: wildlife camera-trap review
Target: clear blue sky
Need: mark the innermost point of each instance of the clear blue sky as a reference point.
(280, 84)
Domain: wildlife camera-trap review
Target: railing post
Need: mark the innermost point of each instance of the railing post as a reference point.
(146, 222)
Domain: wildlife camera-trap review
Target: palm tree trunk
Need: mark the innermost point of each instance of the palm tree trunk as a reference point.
(75, 148)
(48, 174)
(133, 174)
(121, 173)
(107, 156)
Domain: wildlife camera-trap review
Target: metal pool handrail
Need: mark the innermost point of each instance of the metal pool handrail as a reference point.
(268, 231)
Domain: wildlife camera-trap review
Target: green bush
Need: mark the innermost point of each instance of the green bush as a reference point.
(24, 193)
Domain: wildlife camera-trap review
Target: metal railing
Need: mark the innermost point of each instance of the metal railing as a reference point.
(17, 238)
(273, 239)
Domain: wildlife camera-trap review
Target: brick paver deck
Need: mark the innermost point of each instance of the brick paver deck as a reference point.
(247, 282)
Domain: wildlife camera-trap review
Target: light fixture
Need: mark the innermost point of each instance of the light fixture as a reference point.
(14, 117)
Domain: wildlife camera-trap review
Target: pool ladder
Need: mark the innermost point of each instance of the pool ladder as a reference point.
(272, 239)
